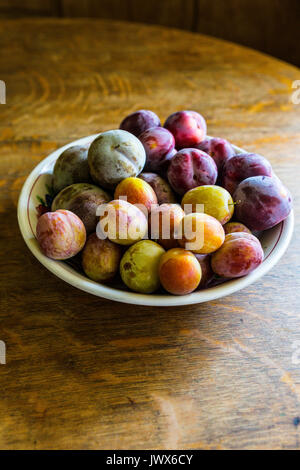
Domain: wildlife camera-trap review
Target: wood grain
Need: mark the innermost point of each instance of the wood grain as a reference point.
(88, 373)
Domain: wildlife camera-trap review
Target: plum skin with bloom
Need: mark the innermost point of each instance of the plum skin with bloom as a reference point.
(262, 202)
(140, 121)
(100, 258)
(71, 167)
(187, 127)
(219, 149)
(243, 166)
(237, 257)
(159, 145)
(179, 271)
(60, 234)
(190, 168)
(115, 155)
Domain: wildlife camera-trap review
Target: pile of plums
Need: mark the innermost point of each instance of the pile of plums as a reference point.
(113, 196)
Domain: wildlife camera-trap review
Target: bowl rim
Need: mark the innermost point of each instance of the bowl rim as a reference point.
(63, 271)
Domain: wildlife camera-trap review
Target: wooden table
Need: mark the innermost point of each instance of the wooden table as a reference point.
(88, 373)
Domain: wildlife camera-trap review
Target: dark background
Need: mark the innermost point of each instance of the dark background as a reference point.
(272, 26)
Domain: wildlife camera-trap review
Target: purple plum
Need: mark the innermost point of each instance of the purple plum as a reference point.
(140, 121)
(187, 127)
(242, 166)
(262, 202)
(159, 146)
(190, 168)
(219, 149)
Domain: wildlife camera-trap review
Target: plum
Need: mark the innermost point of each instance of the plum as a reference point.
(71, 167)
(164, 222)
(60, 234)
(82, 199)
(237, 257)
(219, 149)
(262, 202)
(115, 155)
(139, 266)
(231, 227)
(159, 146)
(207, 272)
(187, 127)
(160, 186)
(216, 202)
(242, 166)
(100, 259)
(122, 222)
(140, 121)
(179, 271)
(190, 168)
(170, 156)
(200, 233)
(136, 191)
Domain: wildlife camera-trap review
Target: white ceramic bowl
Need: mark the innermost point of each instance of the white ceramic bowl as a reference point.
(274, 242)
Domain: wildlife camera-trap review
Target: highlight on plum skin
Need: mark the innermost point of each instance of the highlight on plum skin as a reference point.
(140, 121)
(60, 234)
(242, 166)
(190, 168)
(159, 146)
(262, 202)
(219, 149)
(188, 128)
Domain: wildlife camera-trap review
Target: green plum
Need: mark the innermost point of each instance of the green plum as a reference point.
(216, 201)
(71, 167)
(139, 266)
